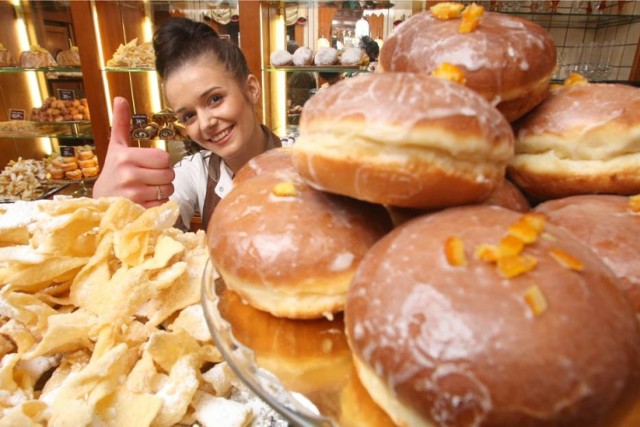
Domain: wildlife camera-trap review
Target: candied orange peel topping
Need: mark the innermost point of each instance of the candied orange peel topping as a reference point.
(285, 189)
(470, 18)
(634, 203)
(447, 10)
(454, 251)
(510, 246)
(515, 265)
(566, 260)
(528, 227)
(451, 72)
(536, 300)
(575, 79)
(488, 253)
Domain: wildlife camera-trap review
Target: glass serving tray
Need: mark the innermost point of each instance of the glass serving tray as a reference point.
(302, 368)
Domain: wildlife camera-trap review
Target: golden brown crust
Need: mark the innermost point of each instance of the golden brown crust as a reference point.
(403, 139)
(461, 345)
(508, 60)
(607, 225)
(270, 247)
(580, 140)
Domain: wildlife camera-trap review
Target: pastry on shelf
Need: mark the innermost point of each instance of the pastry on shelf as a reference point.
(132, 55)
(69, 58)
(37, 57)
(56, 110)
(7, 58)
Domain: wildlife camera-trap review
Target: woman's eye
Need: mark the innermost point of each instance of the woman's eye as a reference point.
(215, 99)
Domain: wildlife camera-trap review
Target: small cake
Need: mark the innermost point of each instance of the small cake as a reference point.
(69, 58)
(7, 58)
(36, 57)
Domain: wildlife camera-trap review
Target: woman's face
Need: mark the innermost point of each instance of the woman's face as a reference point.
(217, 111)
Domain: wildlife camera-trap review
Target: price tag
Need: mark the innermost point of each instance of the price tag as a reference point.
(139, 120)
(16, 114)
(67, 151)
(66, 94)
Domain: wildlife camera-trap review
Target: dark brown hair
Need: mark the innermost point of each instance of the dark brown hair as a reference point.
(180, 40)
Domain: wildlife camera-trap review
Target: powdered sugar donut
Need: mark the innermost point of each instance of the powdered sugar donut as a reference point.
(351, 56)
(280, 58)
(326, 56)
(302, 56)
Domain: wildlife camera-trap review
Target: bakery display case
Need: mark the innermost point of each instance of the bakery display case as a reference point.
(598, 39)
(39, 65)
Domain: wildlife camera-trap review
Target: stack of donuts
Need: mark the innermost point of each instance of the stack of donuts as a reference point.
(83, 164)
(508, 291)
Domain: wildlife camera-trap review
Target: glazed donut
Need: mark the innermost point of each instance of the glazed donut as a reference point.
(303, 56)
(326, 56)
(442, 335)
(88, 163)
(610, 227)
(506, 195)
(352, 56)
(508, 60)
(280, 58)
(56, 172)
(276, 160)
(69, 166)
(68, 160)
(85, 154)
(403, 139)
(73, 174)
(305, 356)
(581, 140)
(288, 249)
(90, 171)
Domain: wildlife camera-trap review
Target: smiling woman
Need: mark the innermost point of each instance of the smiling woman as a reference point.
(209, 86)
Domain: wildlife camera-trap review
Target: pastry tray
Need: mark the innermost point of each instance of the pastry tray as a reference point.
(49, 189)
(302, 368)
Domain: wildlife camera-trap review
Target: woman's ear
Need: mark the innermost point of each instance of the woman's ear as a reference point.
(253, 88)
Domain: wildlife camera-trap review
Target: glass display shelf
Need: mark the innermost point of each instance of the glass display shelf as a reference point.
(129, 69)
(42, 69)
(61, 130)
(574, 20)
(314, 68)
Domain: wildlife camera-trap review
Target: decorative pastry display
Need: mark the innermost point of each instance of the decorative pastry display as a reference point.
(22, 179)
(69, 58)
(132, 55)
(84, 164)
(610, 226)
(36, 57)
(507, 59)
(56, 110)
(7, 58)
(484, 316)
(582, 139)
(403, 139)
